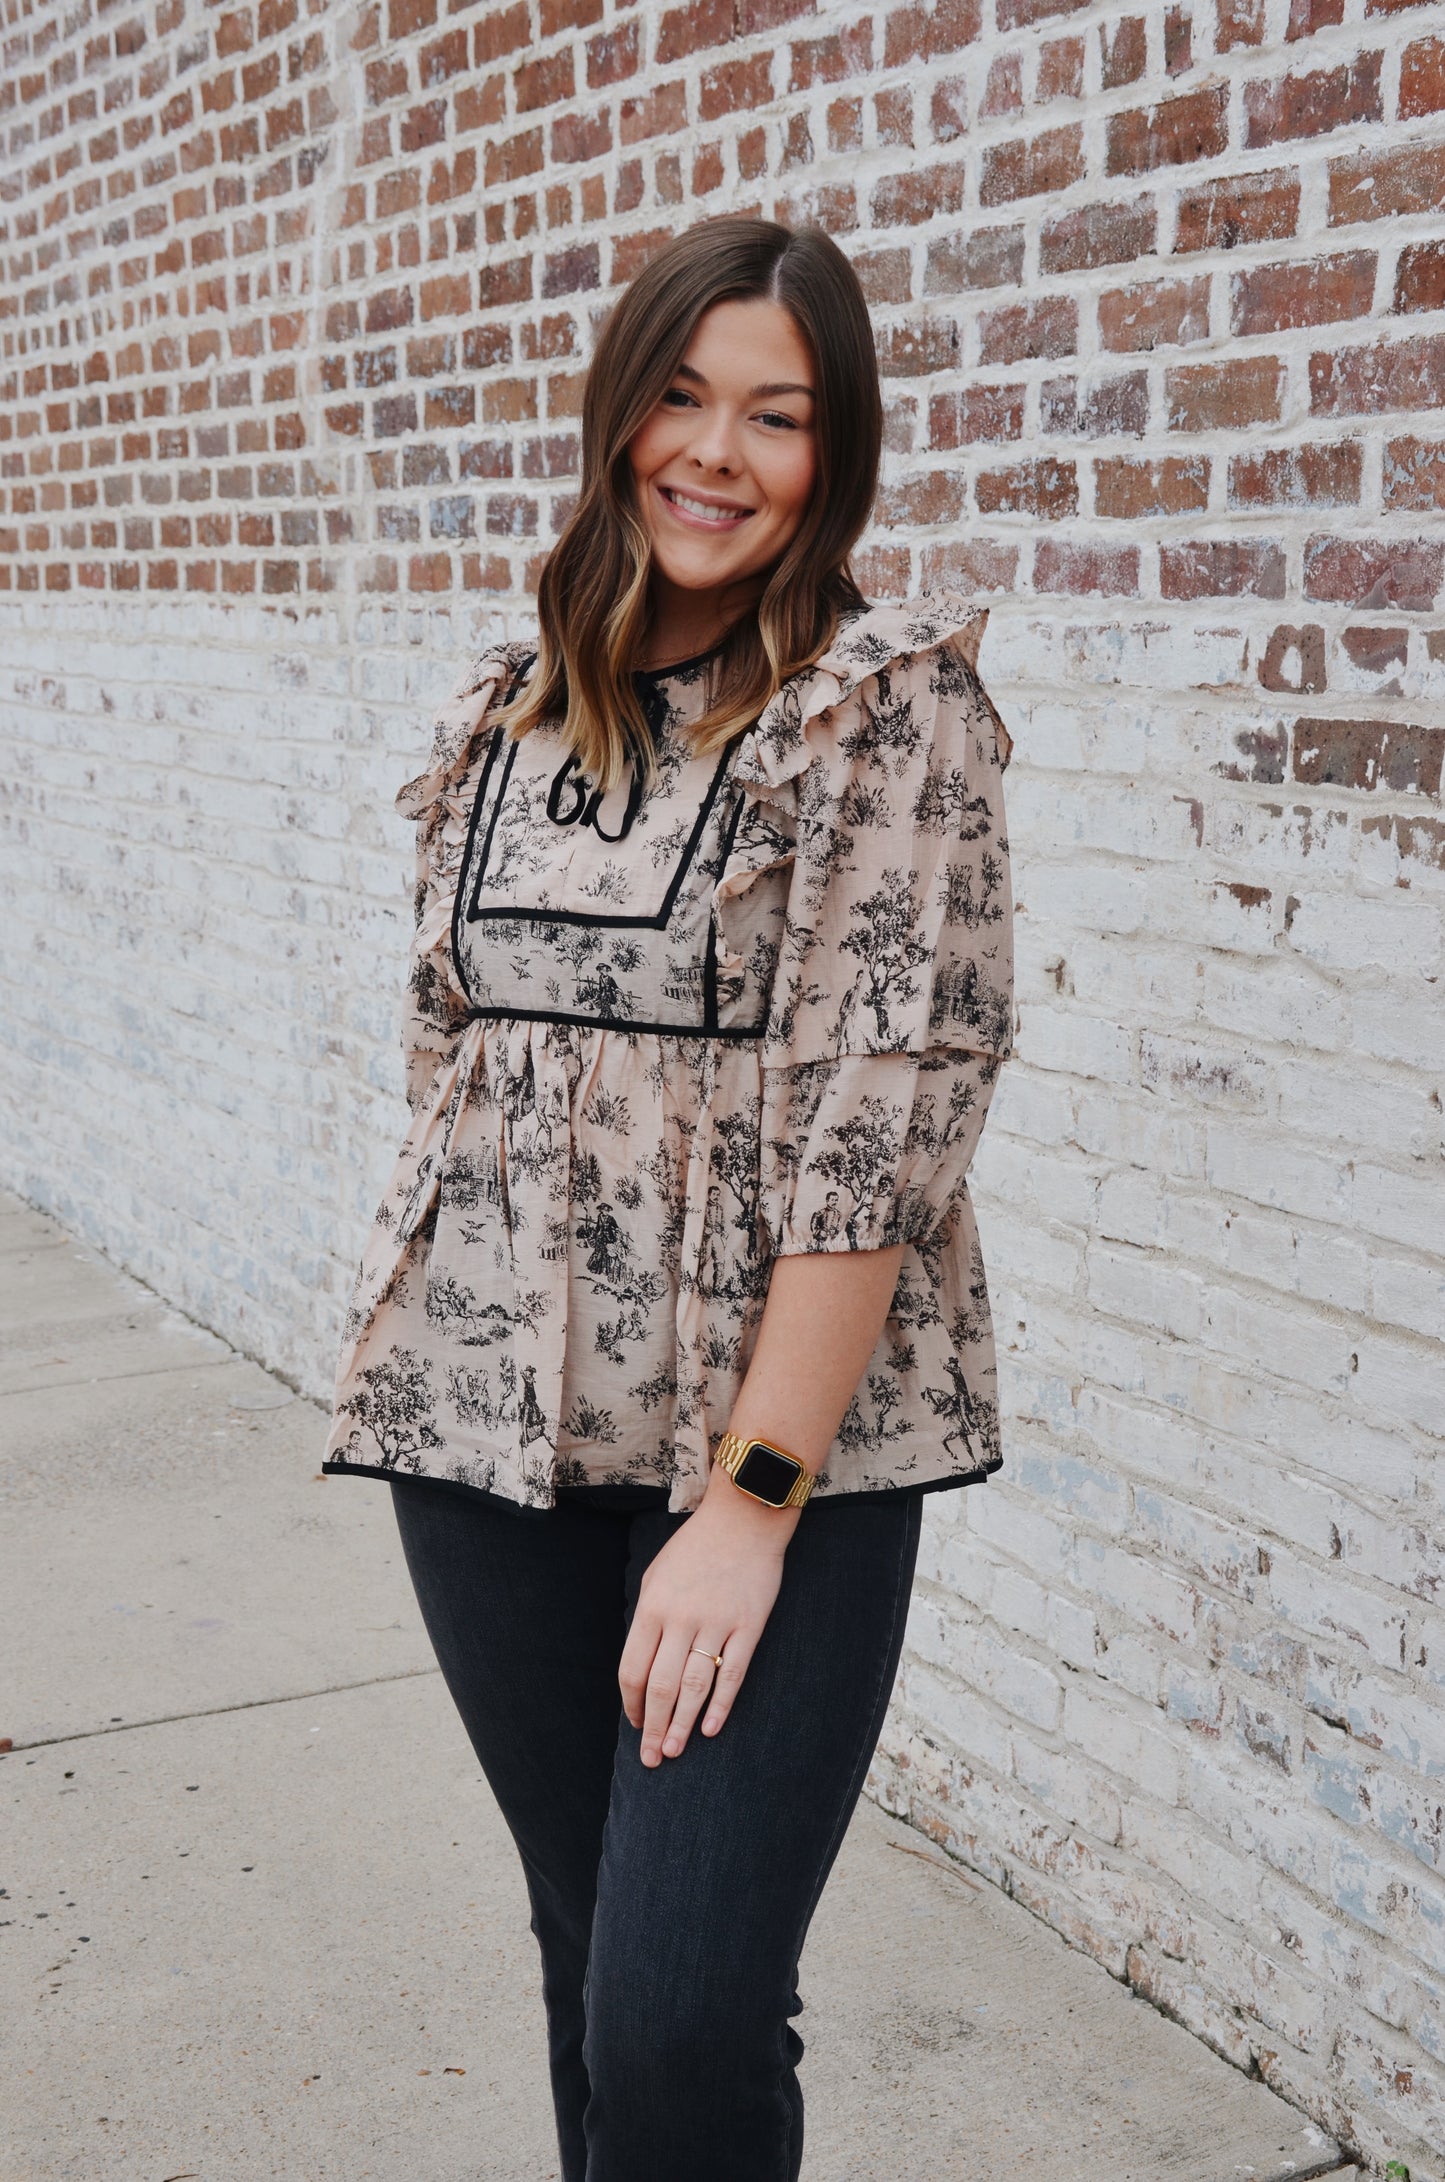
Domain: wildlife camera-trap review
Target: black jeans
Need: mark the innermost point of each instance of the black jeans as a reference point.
(670, 1905)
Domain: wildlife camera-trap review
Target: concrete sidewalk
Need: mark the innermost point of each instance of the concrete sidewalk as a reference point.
(261, 1916)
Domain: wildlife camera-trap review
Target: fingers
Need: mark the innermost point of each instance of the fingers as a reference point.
(697, 1679)
(736, 1658)
(679, 1677)
(635, 1665)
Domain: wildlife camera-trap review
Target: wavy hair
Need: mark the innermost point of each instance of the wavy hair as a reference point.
(592, 600)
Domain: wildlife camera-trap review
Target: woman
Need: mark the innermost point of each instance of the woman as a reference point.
(710, 989)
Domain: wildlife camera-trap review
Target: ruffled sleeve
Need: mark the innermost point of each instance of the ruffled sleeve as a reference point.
(892, 1005)
(439, 799)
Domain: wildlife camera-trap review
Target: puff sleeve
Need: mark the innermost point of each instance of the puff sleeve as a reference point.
(892, 1007)
(436, 1007)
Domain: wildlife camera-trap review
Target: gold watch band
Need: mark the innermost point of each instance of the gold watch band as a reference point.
(731, 1452)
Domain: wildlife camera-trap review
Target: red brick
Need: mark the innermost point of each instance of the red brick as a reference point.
(663, 112)
(1308, 17)
(1314, 292)
(886, 276)
(1238, 209)
(1297, 477)
(974, 257)
(424, 125)
(690, 29)
(1093, 235)
(1124, 49)
(1003, 91)
(1020, 14)
(1209, 568)
(1032, 166)
(501, 32)
(1391, 7)
(971, 564)
(1178, 41)
(1388, 375)
(1155, 314)
(569, 271)
(845, 53)
(925, 32)
(1049, 327)
(1116, 408)
(1403, 573)
(1083, 571)
(1386, 185)
(559, 15)
(503, 282)
(917, 347)
(937, 496)
(907, 199)
(581, 136)
(732, 87)
(988, 413)
(1313, 104)
(513, 159)
(1047, 490)
(631, 252)
(1369, 754)
(1224, 397)
(1422, 78)
(1171, 134)
(1414, 473)
(948, 110)
(1061, 70)
(1376, 651)
(543, 82)
(613, 56)
(1420, 277)
(1172, 485)
(1238, 22)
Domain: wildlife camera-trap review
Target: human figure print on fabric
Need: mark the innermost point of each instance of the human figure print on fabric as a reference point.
(654, 1041)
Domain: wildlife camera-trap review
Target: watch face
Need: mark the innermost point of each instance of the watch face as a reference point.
(768, 1474)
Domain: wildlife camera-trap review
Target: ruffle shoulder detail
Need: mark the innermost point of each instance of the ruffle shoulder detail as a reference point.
(789, 733)
(456, 727)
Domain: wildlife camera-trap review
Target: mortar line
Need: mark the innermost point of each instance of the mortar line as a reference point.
(213, 1712)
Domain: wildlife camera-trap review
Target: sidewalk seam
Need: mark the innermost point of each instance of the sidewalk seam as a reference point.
(215, 1712)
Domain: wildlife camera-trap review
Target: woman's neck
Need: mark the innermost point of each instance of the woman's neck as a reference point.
(682, 624)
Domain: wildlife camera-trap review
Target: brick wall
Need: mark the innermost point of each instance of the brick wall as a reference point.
(295, 305)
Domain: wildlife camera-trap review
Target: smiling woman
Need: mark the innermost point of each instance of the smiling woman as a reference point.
(737, 375)
(674, 1304)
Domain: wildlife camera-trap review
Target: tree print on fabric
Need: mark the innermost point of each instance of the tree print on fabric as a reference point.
(653, 1045)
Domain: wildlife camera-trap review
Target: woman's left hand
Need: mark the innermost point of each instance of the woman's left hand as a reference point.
(710, 1590)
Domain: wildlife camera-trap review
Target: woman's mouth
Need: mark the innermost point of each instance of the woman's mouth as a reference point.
(704, 514)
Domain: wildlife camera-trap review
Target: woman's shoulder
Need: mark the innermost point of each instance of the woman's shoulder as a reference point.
(457, 722)
(913, 651)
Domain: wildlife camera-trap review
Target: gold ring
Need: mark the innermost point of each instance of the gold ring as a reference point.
(715, 1657)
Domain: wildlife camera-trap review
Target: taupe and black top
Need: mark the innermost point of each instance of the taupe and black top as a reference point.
(656, 1040)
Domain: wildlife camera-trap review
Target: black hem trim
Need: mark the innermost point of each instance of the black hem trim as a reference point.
(954, 1482)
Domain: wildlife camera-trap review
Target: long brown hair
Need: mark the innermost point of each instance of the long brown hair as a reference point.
(592, 601)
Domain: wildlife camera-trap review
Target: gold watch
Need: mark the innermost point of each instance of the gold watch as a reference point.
(764, 1472)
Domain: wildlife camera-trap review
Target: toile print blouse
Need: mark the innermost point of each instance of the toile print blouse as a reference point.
(655, 1040)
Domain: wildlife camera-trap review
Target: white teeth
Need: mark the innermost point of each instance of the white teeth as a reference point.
(703, 508)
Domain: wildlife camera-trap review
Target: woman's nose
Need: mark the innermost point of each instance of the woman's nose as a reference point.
(714, 445)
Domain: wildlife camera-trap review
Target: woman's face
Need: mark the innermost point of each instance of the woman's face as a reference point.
(724, 468)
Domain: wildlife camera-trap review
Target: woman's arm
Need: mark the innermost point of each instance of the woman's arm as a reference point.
(714, 1583)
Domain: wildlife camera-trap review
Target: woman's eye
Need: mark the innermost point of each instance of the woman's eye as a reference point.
(776, 416)
(678, 397)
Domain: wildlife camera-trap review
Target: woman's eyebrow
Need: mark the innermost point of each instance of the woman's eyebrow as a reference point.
(770, 386)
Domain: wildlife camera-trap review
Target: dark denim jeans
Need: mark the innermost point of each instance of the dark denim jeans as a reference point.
(670, 1906)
